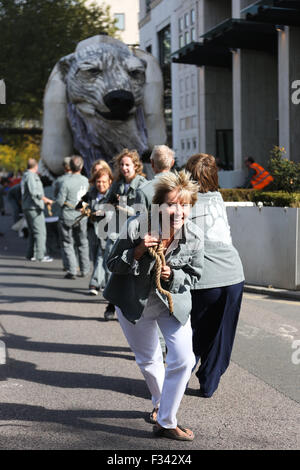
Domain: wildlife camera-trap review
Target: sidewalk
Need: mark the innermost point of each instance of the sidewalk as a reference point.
(271, 291)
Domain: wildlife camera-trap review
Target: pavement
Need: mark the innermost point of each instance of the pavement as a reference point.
(68, 380)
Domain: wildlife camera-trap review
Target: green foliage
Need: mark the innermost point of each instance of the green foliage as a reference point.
(15, 155)
(268, 198)
(286, 173)
(34, 35)
(277, 199)
(236, 195)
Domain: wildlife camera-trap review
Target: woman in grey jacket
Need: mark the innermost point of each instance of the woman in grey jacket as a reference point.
(128, 178)
(141, 306)
(217, 296)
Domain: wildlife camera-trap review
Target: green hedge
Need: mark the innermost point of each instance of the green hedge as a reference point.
(270, 198)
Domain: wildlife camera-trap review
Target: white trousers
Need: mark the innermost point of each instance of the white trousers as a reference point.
(166, 385)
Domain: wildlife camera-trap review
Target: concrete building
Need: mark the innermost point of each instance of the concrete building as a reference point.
(233, 66)
(126, 12)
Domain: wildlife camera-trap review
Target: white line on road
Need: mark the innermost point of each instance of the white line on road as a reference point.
(2, 353)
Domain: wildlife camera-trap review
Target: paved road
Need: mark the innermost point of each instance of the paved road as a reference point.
(70, 381)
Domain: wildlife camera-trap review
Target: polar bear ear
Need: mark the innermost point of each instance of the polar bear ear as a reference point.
(65, 63)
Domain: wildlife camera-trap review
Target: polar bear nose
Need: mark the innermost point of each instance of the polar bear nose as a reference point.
(119, 101)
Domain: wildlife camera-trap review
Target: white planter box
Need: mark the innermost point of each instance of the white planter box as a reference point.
(268, 241)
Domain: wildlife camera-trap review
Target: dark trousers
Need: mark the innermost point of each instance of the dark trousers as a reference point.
(214, 319)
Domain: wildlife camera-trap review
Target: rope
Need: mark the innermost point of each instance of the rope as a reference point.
(49, 208)
(158, 254)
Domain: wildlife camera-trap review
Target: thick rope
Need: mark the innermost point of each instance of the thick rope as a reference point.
(158, 254)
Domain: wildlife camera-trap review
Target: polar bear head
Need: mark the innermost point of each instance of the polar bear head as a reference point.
(104, 79)
(100, 99)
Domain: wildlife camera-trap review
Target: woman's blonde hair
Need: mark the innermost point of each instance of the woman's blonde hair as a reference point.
(102, 164)
(180, 181)
(204, 170)
(133, 154)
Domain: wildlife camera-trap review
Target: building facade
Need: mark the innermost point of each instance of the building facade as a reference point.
(234, 67)
(127, 15)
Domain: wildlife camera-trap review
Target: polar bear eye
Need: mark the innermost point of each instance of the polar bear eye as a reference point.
(94, 71)
(136, 74)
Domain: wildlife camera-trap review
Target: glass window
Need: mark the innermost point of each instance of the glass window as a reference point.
(193, 81)
(193, 34)
(193, 99)
(194, 143)
(186, 20)
(192, 16)
(181, 42)
(164, 43)
(224, 148)
(180, 24)
(182, 145)
(187, 37)
(120, 23)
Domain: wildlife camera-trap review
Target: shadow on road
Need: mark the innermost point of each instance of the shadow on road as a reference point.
(81, 419)
(22, 343)
(21, 370)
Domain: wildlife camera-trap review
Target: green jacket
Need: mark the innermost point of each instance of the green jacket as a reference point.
(32, 191)
(131, 280)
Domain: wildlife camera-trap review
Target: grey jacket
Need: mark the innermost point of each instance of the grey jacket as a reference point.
(222, 264)
(71, 190)
(32, 191)
(130, 284)
(145, 193)
(126, 201)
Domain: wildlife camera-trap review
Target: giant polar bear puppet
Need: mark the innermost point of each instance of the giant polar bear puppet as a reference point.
(98, 100)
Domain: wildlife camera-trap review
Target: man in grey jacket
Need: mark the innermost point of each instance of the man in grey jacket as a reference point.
(33, 202)
(162, 160)
(72, 189)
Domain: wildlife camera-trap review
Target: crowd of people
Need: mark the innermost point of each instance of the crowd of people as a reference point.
(162, 255)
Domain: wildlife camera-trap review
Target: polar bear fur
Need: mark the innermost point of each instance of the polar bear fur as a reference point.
(82, 111)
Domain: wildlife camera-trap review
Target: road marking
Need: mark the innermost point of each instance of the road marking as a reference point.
(283, 331)
(2, 353)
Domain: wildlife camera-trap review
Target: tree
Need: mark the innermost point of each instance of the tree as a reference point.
(286, 173)
(34, 35)
(14, 157)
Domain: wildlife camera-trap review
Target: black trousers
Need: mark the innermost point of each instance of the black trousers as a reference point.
(214, 319)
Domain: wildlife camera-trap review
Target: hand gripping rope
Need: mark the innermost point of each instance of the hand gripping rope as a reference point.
(158, 254)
